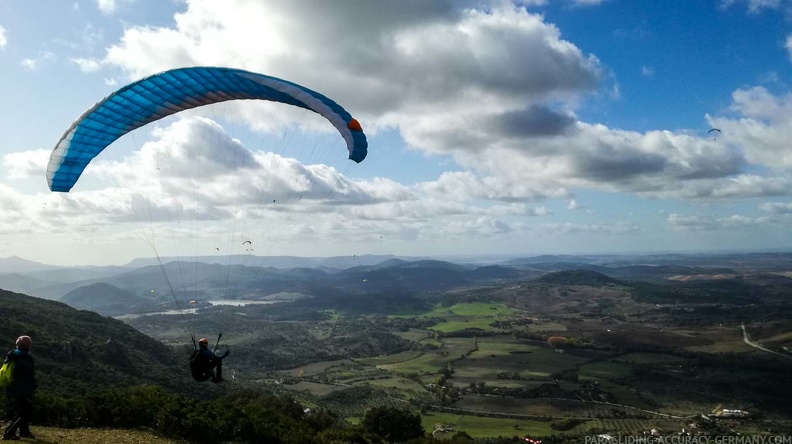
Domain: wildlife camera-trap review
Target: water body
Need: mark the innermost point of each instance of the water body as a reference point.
(228, 302)
(241, 302)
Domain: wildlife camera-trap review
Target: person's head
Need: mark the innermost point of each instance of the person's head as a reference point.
(203, 342)
(24, 342)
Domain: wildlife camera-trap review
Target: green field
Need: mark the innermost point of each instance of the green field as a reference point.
(481, 309)
(435, 360)
(554, 408)
(470, 309)
(413, 334)
(481, 427)
(483, 324)
(466, 315)
(316, 367)
(495, 356)
(604, 370)
(426, 363)
(397, 382)
(546, 327)
(391, 359)
(461, 316)
(649, 358)
(313, 388)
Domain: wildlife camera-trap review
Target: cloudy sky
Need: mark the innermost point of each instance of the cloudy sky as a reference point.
(494, 127)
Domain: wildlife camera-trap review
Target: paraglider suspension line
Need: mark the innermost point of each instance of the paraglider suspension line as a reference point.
(216, 343)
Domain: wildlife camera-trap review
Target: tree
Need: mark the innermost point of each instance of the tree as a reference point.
(393, 424)
(462, 437)
(557, 341)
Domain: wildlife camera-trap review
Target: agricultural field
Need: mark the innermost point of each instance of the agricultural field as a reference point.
(395, 382)
(313, 388)
(314, 368)
(433, 361)
(648, 358)
(451, 326)
(553, 408)
(470, 309)
(604, 370)
(480, 427)
(391, 359)
(495, 357)
(464, 315)
(413, 334)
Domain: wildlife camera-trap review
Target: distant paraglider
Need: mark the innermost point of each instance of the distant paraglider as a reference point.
(715, 132)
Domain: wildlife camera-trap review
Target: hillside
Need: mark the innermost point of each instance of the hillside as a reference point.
(77, 350)
(27, 284)
(107, 300)
(578, 277)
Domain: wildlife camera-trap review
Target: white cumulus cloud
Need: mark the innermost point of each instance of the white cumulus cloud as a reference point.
(34, 63)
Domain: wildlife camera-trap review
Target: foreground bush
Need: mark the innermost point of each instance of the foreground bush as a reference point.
(245, 416)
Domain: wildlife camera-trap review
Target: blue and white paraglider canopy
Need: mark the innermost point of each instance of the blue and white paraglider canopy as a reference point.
(170, 92)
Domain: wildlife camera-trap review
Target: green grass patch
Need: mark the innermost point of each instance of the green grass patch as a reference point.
(605, 370)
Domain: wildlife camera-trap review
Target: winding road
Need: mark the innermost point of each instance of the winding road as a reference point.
(748, 341)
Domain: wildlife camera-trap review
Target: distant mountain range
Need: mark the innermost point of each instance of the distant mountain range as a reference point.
(149, 284)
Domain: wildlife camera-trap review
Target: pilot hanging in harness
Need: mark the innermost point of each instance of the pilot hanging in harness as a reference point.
(203, 362)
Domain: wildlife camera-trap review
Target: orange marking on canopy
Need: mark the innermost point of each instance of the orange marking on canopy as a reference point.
(354, 125)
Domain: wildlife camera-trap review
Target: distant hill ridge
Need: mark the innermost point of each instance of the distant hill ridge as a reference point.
(579, 277)
(108, 300)
(245, 276)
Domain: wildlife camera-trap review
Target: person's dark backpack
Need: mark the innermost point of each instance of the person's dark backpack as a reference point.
(199, 366)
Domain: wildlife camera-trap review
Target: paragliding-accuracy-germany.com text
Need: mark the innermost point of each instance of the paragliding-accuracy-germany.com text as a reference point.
(682, 439)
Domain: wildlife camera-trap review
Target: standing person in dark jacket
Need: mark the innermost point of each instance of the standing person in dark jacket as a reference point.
(203, 363)
(20, 391)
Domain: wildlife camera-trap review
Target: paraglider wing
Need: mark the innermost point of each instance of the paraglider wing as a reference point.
(247, 242)
(714, 130)
(170, 92)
